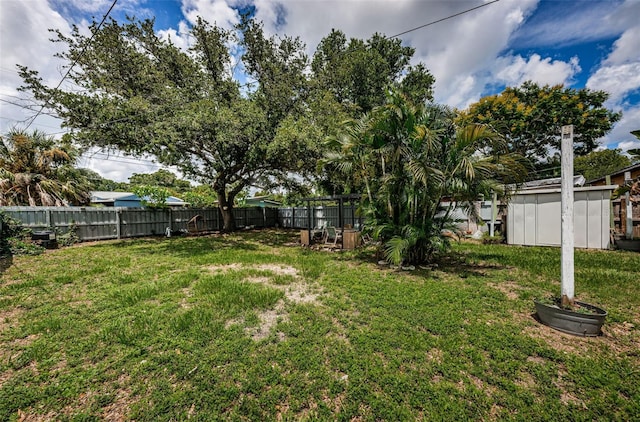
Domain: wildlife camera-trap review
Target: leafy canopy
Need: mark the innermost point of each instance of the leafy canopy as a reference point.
(140, 94)
(597, 164)
(357, 73)
(530, 117)
(161, 178)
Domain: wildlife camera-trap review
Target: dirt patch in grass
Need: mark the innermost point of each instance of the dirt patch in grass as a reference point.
(277, 269)
(562, 342)
(296, 292)
(225, 268)
(509, 288)
(435, 355)
(620, 338)
(121, 405)
(9, 318)
(268, 320)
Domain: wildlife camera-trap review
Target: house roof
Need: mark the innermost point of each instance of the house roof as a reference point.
(262, 199)
(109, 196)
(616, 173)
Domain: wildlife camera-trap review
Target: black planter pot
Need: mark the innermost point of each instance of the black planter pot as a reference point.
(572, 322)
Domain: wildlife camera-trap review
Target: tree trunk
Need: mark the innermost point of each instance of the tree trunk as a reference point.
(225, 204)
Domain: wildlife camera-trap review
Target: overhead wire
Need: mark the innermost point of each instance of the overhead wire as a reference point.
(84, 49)
(443, 19)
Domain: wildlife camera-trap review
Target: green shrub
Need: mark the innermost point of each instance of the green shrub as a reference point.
(69, 238)
(492, 240)
(16, 239)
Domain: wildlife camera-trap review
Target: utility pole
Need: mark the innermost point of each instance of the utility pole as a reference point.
(567, 236)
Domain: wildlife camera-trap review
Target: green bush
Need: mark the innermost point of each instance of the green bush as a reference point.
(16, 239)
(492, 240)
(69, 238)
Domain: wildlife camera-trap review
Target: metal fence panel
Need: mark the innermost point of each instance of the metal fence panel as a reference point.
(299, 218)
(210, 217)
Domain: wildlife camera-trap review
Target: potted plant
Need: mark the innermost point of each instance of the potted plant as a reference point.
(565, 313)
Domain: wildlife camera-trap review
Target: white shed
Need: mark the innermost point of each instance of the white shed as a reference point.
(534, 217)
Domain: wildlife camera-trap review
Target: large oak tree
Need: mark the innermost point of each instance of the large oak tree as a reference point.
(133, 91)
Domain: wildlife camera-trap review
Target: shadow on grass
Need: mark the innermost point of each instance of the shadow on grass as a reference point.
(242, 240)
(461, 265)
(5, 263)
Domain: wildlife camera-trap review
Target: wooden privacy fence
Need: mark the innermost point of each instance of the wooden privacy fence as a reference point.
(117, 223)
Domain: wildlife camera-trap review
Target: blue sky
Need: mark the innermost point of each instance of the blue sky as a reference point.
(577, 43)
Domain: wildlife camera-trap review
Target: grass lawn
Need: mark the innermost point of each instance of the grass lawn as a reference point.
(251, 327)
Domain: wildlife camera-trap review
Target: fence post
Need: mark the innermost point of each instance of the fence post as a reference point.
(48, 218)
(629, 232)
(118, 228)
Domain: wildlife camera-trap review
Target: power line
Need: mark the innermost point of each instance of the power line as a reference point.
(123, 160)
(443, 19)
(104, 18)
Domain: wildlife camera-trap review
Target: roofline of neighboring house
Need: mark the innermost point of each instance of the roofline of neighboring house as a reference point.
(621, 171)
(106, 197)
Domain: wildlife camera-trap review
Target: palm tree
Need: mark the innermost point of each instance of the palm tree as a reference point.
(416, 158)
(36, 170)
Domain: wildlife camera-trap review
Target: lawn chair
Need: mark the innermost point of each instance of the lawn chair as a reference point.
(319, 232)
(332, 236)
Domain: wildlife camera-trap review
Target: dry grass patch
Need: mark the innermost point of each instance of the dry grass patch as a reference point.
(9, 318)
(622, 338)
(296, 292)
(509, 288)
(562, 342)
(120, 408)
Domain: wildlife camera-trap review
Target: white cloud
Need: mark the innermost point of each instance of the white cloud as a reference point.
(619, 75)
(625, 49)
(118, 167)
(627, 145)
(179, 38)
(620, 136)
(514, 70)
(567, 22)
(220, 12)
(25, 40)
(618, 81)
